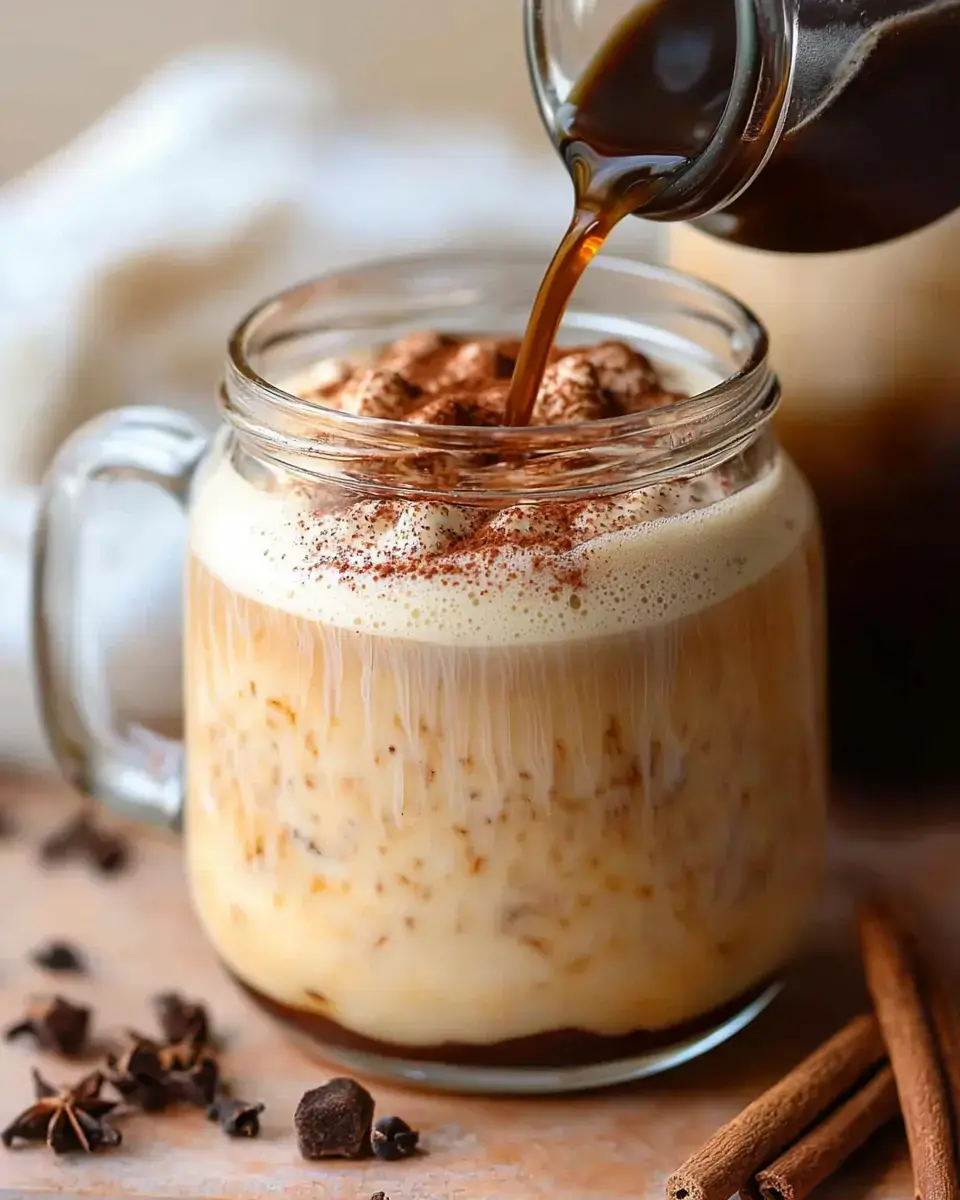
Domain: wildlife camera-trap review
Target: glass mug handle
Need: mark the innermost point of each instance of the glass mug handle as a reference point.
(131, 769)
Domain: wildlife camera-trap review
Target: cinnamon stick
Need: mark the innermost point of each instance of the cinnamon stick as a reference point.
(818, 1153)
(945, 1011)
(913, 1054)
(766, 1127)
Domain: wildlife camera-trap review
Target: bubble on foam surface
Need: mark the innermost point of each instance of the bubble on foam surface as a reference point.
(416, 569)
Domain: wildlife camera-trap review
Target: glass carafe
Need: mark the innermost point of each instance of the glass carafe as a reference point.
(797, 125)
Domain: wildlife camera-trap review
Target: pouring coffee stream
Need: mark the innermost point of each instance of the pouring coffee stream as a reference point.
(812, 128)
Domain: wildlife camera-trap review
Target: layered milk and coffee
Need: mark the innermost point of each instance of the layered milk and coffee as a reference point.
(504, 783)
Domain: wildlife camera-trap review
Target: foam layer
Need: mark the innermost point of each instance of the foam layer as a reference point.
(448, 574)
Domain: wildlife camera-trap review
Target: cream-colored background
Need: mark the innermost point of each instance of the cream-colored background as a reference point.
(62, 62)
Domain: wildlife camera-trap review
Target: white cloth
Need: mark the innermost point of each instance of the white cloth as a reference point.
(125, 260)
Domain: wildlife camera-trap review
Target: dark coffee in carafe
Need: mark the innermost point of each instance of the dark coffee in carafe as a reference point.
(847, 146)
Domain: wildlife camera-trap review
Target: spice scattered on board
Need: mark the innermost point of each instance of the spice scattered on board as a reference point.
(392, 1138)
(67, 1119)
(180, 1068)
(59, 957)
(146, 1074)
(55, 1024)
(237, 1118)
(81, 837)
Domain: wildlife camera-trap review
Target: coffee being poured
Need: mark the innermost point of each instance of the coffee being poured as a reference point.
(816, 126)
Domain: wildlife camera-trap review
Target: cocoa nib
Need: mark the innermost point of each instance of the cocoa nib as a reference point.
(67, 1119)
(59, 956)
(55, 1023)
(182, 1020)
(334, 1121)
(237, 1118)
(392, 1138)
(82, 838)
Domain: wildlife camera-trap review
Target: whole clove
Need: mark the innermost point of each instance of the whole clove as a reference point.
(55, 1023)
(153, 1075)
(200, 1084)
(59, 956)
(392, 1138)
(237, 1118)
(182, 1020)
(333, 1121)
(67, 1119)
(139, 1076)
(82, 838)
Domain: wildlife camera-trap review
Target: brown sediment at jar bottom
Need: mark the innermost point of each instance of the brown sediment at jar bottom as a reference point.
(557, 1048)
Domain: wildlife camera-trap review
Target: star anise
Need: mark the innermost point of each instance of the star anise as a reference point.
(56, 1024)
(67, 1119)
(81, 837)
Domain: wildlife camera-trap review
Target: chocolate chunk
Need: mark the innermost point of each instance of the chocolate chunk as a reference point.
(55, 1023)
(237, 1118)
(392, 1138)
(59, 956)
(379, 1196)
(334, 1121)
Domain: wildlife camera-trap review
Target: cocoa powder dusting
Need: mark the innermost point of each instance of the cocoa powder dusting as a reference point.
(429, 378)
(432, 378)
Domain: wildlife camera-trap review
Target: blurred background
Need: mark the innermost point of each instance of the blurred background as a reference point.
(62, 63)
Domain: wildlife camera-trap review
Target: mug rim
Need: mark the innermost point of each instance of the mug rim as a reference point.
(755, 370)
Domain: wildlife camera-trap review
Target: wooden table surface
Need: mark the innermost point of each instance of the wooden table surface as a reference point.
(141, 937)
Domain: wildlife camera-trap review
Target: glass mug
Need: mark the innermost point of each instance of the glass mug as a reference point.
(530, 812)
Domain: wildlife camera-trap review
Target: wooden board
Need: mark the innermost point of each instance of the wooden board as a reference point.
(142, 937)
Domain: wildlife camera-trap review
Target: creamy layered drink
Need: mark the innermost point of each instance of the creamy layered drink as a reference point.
(494, 782)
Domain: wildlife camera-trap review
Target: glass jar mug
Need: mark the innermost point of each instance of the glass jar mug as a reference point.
(504, 749)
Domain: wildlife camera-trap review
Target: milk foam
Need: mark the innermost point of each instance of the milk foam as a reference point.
(646, 558)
